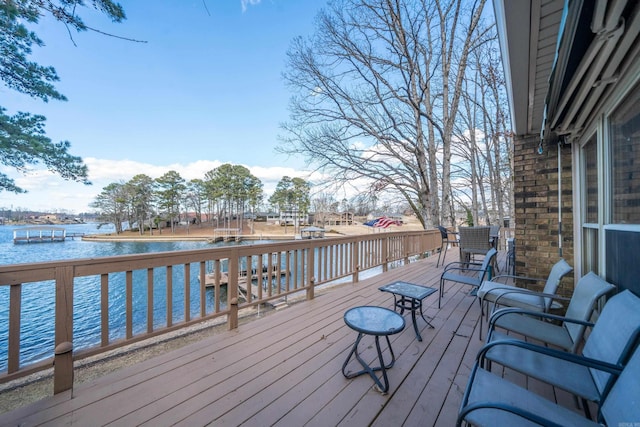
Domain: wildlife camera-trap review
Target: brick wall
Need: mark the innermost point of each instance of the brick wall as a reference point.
(536, 209)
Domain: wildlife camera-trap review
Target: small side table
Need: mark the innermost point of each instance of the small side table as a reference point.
(408, 296)
(379, 322)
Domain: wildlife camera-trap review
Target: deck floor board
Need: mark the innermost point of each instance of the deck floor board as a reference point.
(285, 369)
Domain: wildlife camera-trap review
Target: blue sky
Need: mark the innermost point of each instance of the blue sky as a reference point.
(205, 89)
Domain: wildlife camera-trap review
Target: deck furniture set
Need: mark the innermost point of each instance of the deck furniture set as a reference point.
(604, 374)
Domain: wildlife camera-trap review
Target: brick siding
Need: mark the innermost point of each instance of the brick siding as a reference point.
(536, 209)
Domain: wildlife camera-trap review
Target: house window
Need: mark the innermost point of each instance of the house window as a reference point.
(590, 195)
(624, 144)
(622, 220)
(590, 170)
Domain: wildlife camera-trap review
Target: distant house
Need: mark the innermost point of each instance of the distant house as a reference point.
(334, 218)
(270, 217)
(293, 217)
(573, 79)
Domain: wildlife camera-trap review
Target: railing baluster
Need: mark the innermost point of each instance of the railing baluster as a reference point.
(104, 309)
(296, 271)
(287, 272)
(129, 304)
(187, 292)
(149, 300)
(248, 287)
(203, 288)
(169, 295)
(216, 292)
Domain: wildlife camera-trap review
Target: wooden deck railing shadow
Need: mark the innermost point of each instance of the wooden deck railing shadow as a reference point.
(254, 275)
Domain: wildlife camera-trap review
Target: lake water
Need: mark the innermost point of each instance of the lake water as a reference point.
(38, 299)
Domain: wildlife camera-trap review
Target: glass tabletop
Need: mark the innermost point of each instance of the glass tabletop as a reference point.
(374, 320)
(408, 290)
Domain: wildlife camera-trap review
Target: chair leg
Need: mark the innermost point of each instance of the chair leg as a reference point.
(446, 246)
(481, 314)
(442, 248)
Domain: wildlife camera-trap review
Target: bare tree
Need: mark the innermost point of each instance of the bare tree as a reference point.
(376, 94)
(481, 168)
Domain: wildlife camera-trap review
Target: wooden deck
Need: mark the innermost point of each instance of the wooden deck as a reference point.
(285, 369)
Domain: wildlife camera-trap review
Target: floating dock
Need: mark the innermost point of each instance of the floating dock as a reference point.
(43, 234)
(257, 280)
(39, 234)
(210, 278)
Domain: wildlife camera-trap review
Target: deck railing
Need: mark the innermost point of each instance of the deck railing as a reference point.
(174, 290)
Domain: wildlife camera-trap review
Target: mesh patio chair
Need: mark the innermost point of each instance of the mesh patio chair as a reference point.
(609, 373)
(490, 400)
(473, 241)
(494, 236)
(479, 272)
(612, 340)
(448, 238)
(567, 335)
(502, 294)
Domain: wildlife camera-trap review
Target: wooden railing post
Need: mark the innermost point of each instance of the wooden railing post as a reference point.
(15, 303)
(232, 289)
(405, 246)
(385, 254)
(356, 261)
(63, 359)
(311, 268)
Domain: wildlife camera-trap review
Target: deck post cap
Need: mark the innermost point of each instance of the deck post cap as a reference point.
(63, 348)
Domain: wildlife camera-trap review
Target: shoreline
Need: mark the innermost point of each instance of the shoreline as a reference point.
(186, 237)
(174, 238)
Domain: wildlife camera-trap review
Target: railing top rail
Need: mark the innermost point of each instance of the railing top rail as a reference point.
(12, 273)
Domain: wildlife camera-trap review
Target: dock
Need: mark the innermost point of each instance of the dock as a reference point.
(39, 234)
(210, 278)
(257, 280)
(226, 235)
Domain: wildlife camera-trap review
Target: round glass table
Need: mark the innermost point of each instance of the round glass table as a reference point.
(378, 322)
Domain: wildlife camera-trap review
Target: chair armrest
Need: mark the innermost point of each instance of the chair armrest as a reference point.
(552, 352)
(466, 409)
(506, 311)
(509, 276)
(500, 406)
(513, 290)
(455, 263)
(460, 269)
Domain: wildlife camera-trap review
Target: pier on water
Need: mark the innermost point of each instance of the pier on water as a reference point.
(42, 234)
(226, 235)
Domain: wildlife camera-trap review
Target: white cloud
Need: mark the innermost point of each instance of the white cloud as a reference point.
(49, 193)
(246, 3)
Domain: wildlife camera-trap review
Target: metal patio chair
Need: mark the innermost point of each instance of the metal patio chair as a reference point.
(502, 294)
(480, 271)
(448, 238)
(474, 241)
(494, 236)
(569, 333)
(614, 336)
(608, 375)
